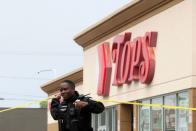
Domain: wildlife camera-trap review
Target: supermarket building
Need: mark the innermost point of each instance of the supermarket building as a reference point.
(143, 52)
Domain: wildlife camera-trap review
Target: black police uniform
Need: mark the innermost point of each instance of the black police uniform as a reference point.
(72, 119)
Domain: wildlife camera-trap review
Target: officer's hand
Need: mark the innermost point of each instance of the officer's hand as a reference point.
(57, 96)
(80, 104)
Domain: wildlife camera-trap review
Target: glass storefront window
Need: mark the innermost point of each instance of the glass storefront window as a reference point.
(95, 121)
(183, 115)
(152, 118)
(145, 117)
(110, 119)
(102, 119)
(170, 114)
(157, 117)
(106, 121)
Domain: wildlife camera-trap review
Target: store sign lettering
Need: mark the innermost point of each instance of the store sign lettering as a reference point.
(133, 61)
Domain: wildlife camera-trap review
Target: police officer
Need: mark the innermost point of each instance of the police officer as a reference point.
(74, 111)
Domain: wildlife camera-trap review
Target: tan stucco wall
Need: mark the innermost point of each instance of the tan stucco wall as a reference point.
(53, 127)
(173, 54)
(194, 41)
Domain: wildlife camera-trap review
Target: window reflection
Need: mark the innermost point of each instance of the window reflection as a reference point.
(157, 115)
(170, 114)
(152, 118)
(145, 117)
(183, 114)
(106, 121)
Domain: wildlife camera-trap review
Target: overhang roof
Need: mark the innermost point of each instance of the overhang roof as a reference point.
(76, 76)
(120, 18)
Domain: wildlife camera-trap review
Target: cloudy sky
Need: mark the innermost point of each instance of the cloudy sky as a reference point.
(37, 35)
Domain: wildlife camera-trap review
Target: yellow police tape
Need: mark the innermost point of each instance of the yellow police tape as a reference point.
(150, 105)
(24, 105)
(113, 101)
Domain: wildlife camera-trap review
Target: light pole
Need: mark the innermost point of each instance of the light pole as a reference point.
(47, 70)
(2, 98)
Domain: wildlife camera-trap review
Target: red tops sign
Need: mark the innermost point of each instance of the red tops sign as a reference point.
(133, 59)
